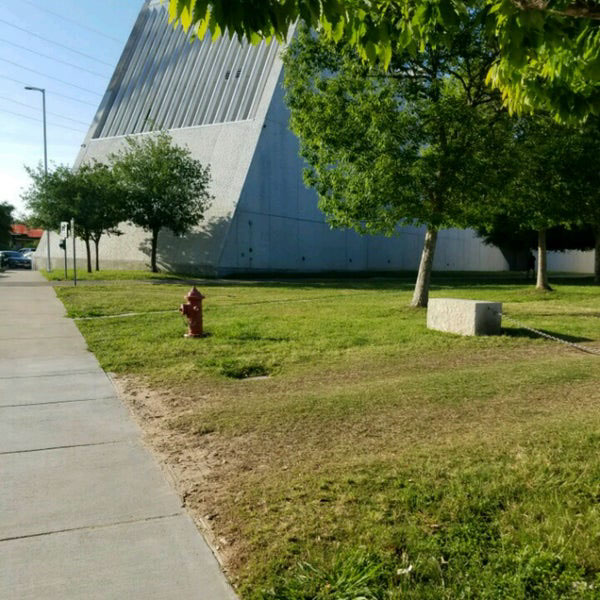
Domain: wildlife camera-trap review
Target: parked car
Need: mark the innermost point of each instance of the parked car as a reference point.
(15, 260)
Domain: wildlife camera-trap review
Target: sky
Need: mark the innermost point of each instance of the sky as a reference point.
(68, 47)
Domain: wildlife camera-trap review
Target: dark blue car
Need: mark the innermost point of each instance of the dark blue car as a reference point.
(14, 260)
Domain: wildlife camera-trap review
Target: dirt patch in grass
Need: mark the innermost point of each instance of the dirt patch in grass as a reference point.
(190, 460)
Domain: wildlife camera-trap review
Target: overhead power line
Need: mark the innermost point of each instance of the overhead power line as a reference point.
(49, 91)
(68, 20)
(22, 116)
(58, 60)
(49, 112)
(10, 62)
(56, 43)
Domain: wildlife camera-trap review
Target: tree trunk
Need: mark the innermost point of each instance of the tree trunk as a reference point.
(542, 263)
(597, 257)
(421, 293)
(97, 244)
(89, 254)
(154, 245)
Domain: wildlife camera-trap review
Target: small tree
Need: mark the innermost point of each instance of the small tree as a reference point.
(546, 191)
(101, 207)
(163, 186)
(6, 220)
(89, 195)
(516, 243)
(585, 181)
(420, 144)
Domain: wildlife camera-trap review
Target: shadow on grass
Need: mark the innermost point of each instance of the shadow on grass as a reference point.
(400, 282)
(521, 332)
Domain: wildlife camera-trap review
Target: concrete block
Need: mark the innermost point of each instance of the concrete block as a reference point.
(465, 317)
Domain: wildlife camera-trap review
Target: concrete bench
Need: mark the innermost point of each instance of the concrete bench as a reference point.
(466, 317)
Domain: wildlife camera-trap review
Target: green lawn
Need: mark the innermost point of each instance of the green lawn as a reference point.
(378, 459)
(106, 275)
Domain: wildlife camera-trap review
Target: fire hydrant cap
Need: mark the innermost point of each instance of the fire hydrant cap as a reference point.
(194, 294)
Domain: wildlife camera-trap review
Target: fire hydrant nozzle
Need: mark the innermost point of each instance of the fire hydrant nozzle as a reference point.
(193, 311)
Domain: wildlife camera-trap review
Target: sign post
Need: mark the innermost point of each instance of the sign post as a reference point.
(74, 253)
(64, 234)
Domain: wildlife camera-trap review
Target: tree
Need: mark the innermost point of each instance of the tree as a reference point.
(89, 195)
(100, 208)
(515, 243)
(584, 149)
(555, 191)
(6, 220)
(163, 186)
(549, 50)
(420, 144)
(543, 193)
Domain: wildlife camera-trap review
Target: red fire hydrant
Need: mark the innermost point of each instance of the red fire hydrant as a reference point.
(193, 311)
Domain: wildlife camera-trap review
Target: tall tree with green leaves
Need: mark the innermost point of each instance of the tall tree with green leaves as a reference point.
(548, 50)
(101, 205)
(422, 143)
(6, 220)
(89, 195)
(516, 243)
(553, 200)
(162, 185)
(544, 192)
(584, 178)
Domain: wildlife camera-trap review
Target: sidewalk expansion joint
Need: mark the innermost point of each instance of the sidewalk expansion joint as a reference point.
(113, 397)
(91, 527)
(42, 337)
(64, 447)
(53, 374)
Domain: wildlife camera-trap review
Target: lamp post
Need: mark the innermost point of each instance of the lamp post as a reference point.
(43, 91)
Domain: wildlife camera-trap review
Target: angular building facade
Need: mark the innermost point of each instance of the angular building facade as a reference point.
(224, 101)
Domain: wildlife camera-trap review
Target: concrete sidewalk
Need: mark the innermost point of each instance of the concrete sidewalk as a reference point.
(85, 512)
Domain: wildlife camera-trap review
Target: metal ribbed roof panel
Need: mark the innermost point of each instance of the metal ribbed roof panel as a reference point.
(170, 82)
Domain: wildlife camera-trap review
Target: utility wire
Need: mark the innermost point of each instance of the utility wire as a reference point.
(10, 62)
(16, 114)
(56, 43)
(59, 16)
(49, 91)
(49, 112)
(58, 60)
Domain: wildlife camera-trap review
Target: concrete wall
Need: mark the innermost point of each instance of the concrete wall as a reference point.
(573, 261)
(278, 226)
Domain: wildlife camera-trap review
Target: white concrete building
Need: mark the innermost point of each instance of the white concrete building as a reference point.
(224, 101)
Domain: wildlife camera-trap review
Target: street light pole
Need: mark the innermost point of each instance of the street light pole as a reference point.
(43, 91)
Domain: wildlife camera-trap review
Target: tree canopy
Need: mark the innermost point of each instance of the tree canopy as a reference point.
(162, 186)
(420, 144)
(554, 191)
(89, 195)
(548, 50)
(6, 220)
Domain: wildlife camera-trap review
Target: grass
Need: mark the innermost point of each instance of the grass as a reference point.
(379, 459)
(107, 275)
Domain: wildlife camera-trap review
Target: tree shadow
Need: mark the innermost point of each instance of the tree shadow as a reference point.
(194, 254)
